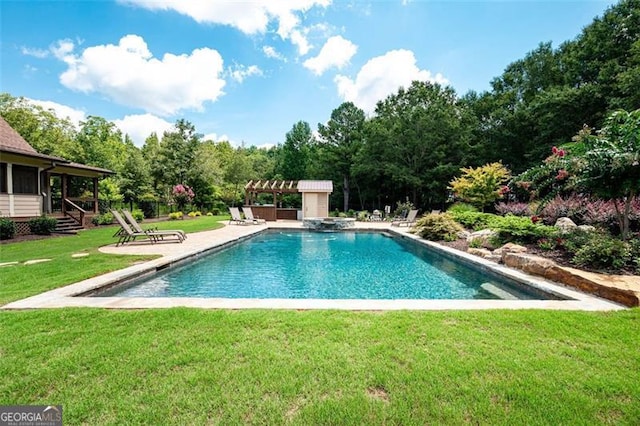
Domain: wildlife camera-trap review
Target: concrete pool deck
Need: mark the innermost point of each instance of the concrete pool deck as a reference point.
(200, 243)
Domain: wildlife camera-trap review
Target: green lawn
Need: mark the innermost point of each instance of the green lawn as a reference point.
(189, 366)
(20, 281)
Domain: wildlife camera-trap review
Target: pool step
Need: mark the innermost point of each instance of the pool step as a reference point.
(499, 292)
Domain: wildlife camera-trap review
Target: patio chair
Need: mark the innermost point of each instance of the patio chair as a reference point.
(178, 233)
(248, 214)
(126, 233)
(409, 220)
(236, 218)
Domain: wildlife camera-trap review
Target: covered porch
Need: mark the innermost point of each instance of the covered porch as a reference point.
(270, 211)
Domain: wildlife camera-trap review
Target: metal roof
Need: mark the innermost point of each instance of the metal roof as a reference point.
(315, 186)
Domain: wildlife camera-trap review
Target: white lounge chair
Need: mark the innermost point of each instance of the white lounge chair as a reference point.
(236, 218)
(248, 214)
(409, 220)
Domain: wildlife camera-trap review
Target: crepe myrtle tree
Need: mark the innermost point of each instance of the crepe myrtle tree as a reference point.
(607, 164)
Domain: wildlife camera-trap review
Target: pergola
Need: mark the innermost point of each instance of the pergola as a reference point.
(275, 187)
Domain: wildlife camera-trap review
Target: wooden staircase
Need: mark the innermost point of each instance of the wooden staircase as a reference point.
(67, 225)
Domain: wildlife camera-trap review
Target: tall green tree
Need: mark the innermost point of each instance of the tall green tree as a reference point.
(294, 157)
(342, 140)
(42, 129)
(134, 178)
(418, 140)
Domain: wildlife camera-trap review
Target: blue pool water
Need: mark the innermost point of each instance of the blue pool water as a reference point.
(308, 265)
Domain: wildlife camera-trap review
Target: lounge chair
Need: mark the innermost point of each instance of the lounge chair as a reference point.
(236, 218)
(126, 234)
(409, 220)
(248, 214)
(178, 233)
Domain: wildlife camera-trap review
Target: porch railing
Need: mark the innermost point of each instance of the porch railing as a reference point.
(74, 211)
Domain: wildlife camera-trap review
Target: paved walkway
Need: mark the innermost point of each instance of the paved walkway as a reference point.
(198, 243)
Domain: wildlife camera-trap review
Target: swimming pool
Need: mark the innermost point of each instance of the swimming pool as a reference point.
(311, 265)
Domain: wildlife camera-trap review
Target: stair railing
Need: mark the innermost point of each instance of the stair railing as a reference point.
(74, 211)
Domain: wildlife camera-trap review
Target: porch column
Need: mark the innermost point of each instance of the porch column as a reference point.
(95, 195)
(63, 184)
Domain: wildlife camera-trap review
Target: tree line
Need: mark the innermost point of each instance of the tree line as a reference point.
(409, 149)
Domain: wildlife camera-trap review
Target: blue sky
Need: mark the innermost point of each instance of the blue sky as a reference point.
(248, 70)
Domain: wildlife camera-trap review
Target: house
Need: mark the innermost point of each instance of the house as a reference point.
(33, 184)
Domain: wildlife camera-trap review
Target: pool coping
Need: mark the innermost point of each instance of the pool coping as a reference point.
(68, 296)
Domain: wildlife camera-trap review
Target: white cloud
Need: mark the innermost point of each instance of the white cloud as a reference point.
(241, 72)
(129, 74)
(215, 138)
(251, 17)
(75, 116)
(271, 52)
(382, 76)
(336, 52)
(35, 52)
(140, 126)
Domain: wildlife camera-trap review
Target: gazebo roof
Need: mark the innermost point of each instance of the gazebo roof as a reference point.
(271, 186)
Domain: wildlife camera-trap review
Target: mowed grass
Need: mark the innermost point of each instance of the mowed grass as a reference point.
(20, 281)
(188, 366)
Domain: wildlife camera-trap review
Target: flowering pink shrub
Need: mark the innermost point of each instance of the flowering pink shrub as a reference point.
(571, 207)
(515, 208)
(182, 195)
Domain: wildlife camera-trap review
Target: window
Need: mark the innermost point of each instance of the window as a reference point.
(3, 178)
(25, 180)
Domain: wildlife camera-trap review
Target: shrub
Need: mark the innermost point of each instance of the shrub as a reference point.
(519, 229)
(437, 227)
(214, 212)
(475, 243)
(194, 214)
(209, 214)
(362, 216)
(514, 208)
(472, 220)
(138, 215)
(175, 216)
(603, 252)
(102, 219)
(461, 208)
(42, 225)
(351, 213)
(483, 185)
(576, 238)
(7, 229)
(572, 207)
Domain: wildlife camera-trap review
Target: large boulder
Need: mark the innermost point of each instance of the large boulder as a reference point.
(565, 224)
(510, 248)
(484, 235)
(587, 228)
(482, 252)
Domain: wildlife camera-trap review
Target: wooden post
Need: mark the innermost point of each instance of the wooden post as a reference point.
(63, 183)
(95, 195)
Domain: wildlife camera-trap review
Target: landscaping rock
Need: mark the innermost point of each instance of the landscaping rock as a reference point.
(510, 248)
(34, 261)
(484, 235)
(587, 228)
(479, 252)
(8, 264)
(565, 224)
(618, 288)
(494, 258)
(463, 234)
